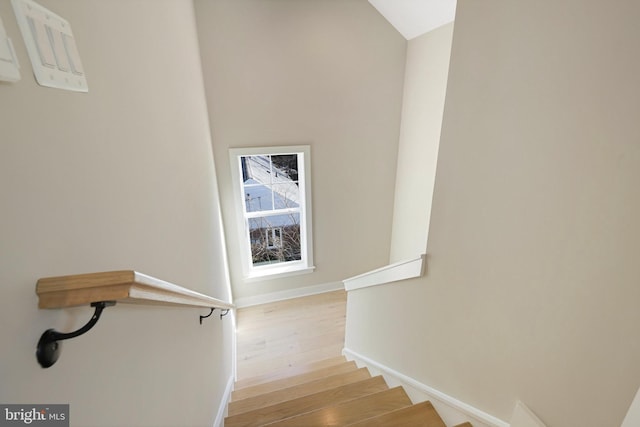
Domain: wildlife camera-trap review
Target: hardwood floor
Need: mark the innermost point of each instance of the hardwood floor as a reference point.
(291, 372)
(283, 335)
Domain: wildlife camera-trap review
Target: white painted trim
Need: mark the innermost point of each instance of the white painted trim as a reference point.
(289, 294)
(275, 273)
(452, 410)
(224, 403)
(524, 417)
(401, 270)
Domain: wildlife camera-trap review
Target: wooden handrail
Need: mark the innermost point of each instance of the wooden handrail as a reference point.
(102, 290)
(125, 286)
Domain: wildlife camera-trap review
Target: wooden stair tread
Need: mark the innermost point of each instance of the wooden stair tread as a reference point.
(251, 403)
(309, 403)
(279, 384)
(418, 415)
(289, 372)
(350, 411)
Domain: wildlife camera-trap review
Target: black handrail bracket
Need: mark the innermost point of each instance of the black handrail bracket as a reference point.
(208, 315)
(49, 347)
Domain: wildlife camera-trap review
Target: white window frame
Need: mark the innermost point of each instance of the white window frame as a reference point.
(282, 269)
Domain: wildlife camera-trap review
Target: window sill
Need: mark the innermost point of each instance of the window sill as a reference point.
(277, 273)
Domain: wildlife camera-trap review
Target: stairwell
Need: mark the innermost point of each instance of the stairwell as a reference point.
(330, 392)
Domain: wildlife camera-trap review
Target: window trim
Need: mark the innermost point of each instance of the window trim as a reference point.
(282, 269)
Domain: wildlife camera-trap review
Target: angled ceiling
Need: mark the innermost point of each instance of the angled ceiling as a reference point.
(416, 17)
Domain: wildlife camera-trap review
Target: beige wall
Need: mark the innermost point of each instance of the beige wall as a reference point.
(121, 177)
(532, 284)
(425, 84)
(324, 73)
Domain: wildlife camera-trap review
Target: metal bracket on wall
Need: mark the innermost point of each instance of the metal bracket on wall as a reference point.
(208, 315)
(49, 346)
(223, 312)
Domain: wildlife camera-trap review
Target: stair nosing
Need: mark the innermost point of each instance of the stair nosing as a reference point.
(344, 403)
(282, 382)
(348, 377)
(377, 382)
(428, 407)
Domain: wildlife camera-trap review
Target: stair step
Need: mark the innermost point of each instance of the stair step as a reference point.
(279, 384)
(467, 424)
(289, 372)
(350, 411)
(240, 406)
(419, 415)
(306, 404)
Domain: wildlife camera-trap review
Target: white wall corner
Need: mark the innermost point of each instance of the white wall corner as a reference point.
(234, 345)
(523, 417)
(224, 403)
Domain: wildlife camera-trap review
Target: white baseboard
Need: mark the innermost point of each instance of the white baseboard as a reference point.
(452, 410)
(288, 294)
(224, 403)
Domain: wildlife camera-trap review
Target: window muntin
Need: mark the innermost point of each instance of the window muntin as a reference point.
(274, 200)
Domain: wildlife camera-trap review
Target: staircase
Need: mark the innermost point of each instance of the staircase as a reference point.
(331, 392)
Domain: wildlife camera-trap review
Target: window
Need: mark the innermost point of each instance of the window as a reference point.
(273, 202)
(274, 238)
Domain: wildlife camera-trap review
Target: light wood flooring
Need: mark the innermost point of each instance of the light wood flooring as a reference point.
(291, 372)
(284, 335)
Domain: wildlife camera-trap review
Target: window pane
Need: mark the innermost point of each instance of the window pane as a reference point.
(286, 165)
(257, 168)
(257, 197)
(270, 182)
(286, 196)
(275, 239)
